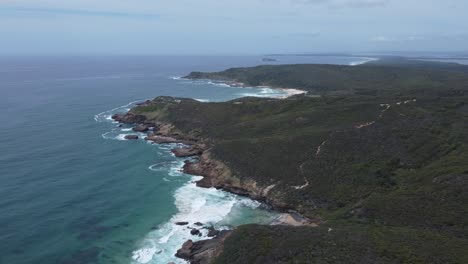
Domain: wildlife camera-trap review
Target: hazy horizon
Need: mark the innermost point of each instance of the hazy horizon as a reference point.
(242, 27)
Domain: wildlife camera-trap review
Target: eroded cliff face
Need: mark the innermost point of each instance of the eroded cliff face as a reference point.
(214, 171)
(217, 174)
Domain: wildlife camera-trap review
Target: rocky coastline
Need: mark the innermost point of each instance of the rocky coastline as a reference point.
(215, 174)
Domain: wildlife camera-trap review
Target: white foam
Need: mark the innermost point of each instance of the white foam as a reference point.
(176, 171)
(177, 78)
(114, 136)
(106, 116)
(364, 60)
(219, 84)
(126, 129)
(202, 100)
(163, 166)
(194, 204)
(144, 255)
(121, 137)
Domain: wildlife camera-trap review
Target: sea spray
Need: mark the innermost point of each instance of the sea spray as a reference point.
(362, 61)
(211, 207)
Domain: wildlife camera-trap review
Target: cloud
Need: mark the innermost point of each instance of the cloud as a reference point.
(382, 39)
(347, 3)
(80, 12)
(365, 3)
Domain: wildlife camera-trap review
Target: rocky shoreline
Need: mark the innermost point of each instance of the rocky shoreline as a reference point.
(215, 174)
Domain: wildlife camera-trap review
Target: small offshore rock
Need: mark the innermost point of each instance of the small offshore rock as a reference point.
(181, 223)
(131, 137)
(195, 232)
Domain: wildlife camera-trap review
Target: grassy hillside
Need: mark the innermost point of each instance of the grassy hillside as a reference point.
(386, 170)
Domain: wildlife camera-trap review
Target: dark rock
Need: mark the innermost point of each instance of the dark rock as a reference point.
(213, 232)
(185, 251)
(181, 223)
(162, 140)
(203, 251)
(129, 118)
(195, 232)
(141, 128)
(198, 224)
(131, 137)
(187, 152)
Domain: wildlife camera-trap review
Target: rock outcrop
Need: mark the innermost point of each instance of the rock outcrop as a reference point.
(217, 174)
(129, 118)
(131, 137)
(203, 251)
(187, 151)
(195, 232)
(162, 139)
(141, 128)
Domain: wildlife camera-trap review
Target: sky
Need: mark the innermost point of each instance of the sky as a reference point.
(231, 26)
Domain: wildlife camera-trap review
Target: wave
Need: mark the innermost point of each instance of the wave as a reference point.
(111, 135)
(202, 100)
(106, 116)
(178, 78)
(363, 61)
(208, 206)
(211, 207)
(265, 92)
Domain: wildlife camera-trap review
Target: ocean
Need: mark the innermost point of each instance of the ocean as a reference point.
(73, 191)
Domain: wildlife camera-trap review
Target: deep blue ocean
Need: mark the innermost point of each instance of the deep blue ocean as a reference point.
(72, 191)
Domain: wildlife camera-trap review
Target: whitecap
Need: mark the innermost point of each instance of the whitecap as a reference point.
(194, 204)
(177, 78)
(202, 100)
(120, 137)
(107, 115)
(143, 255)
(363, 61)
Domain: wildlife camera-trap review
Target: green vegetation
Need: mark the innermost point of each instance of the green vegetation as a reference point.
(384, 77)
(390, 176)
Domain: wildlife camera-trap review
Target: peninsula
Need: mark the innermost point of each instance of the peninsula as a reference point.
(373, 157)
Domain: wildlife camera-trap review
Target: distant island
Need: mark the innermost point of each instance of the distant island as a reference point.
(371, 169)
(268, 59)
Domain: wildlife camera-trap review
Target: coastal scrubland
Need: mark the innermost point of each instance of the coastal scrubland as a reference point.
(377, 157)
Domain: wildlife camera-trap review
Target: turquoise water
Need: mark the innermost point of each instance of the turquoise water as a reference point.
(72, 191)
